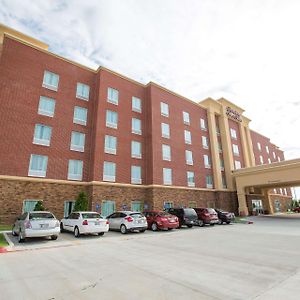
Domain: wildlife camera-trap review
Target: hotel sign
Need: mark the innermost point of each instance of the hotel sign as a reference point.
(233, 114)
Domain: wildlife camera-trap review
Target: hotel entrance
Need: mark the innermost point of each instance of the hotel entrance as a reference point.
(257, 207)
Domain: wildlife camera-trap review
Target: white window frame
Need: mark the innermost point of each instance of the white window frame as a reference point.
(206, 160)
(134, 130)
(72, 176)
(188, 175)
(135, 108)
(186, 118)
(107, 149)
(237, 165)
(50, 86)
(75, 147)
(136, 155)
(136, 180)
(111, 178)
(205, 143)
(80, 121)
(222, 164)
(108, 123)
(164, 135)
(261, 159)
(269, 160)
(37, 173)
(42, 142)
(113, 92)
(187, 137)
(46, 112)
(209, 185)
(164, 109)
(235, 150)
(189, 157)
(259, 146)
(203, 124)
(82, 97)
(233, 133)
(267, 149)
(167, 172)
(166, 156)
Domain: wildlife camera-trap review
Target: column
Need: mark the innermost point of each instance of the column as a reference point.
(243, 208)
(244, 145)
(250, 147)
(214, 149)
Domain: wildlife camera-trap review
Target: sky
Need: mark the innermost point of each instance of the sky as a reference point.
(247, 51)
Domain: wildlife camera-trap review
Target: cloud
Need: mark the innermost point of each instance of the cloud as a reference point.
(246, 51)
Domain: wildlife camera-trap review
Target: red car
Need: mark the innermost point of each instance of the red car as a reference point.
(160, 220)
(296, 209)
(207, 216)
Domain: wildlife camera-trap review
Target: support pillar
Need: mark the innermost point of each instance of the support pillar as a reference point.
(243, 208)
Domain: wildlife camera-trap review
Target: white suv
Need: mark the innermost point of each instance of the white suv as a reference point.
(127, 221)
(84, 222)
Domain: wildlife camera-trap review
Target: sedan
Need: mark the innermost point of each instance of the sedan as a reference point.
(36, 224)
(161, 220)
(84, 222)
(127, 221)
(296, 209)
(225, 216)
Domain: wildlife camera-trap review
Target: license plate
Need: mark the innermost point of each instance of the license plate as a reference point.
(97, 223)
(44, 225)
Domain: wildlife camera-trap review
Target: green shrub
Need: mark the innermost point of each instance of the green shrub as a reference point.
(39, 206)
(81, 203)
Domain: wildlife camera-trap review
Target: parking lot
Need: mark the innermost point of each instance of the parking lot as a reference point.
(258, 261)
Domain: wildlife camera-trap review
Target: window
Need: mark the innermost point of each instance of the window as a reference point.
(136, 206)
(205, 142)
(164, 109)
(108, 207)
(274, 155)
(269, 160)
(111, 119)
(233, 133)
(136, 149)
(167, 176)
(165, 130)
(187, 137)
(75, 169)
(42, 135)
(281, 191)
(261, 159)
(220, 146)
(218, 129)
(136, 174)
(278, 158)
(258, 146)
(206, 159)
(203, 124)
(188, 157)
(222, 164)
(166, 152)
(136, 126)
(224, 184)
(28, 206)
(50, 81)
(77, 141)
(109, 171)
(192, 204)
(190, 178)
(112, 96)
(82, 91)
(38, 165)
(110, 144)
(80, 115)
(46, 106)
(186, 118)
(267, 149)
(136, 104)
(209, 181)
(237, 164)
(235, 149)
(168, 205)
(68, 207)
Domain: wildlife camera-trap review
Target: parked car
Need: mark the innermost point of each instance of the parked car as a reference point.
(161, 220)
(225, 216)
(36, 224)
(84, 222)
(296, 209)
(186, 216)
(206, 216)
(127, 221)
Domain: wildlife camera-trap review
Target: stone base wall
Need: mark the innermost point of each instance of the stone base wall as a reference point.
(54, 194)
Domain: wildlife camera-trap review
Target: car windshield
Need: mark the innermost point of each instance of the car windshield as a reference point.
(41, 215)
(91, 216)
(136, 215)
(211, 210)
(189, 212)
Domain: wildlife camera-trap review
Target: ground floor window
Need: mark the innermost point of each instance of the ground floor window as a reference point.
(108, 207)
(211, 204)
(136, 206)
(29, 205)
(168, 205)
(192, 204)
(68, 208)
(277, 205)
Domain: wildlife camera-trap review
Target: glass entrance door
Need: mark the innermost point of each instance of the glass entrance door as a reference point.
(257, 207)
(108, 207)
(68, 208)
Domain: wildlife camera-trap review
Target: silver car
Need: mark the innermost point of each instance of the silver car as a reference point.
(36, 224)
(127, 221)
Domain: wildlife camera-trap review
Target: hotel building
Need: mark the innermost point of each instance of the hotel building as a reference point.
(66, 128)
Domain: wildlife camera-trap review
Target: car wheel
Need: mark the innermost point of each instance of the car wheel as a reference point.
(62, 227)
(170, 228)
(227, 222)
(100, 233)
(212, 224)
(21, 239)
(76, 232)
(123, 229)
(154, 227)
(220, 222)
(54, 237)
(189, 226)
(13, 231)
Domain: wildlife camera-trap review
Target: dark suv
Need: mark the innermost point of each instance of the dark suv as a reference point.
(186, 216)
(225, 216)
(207, 216)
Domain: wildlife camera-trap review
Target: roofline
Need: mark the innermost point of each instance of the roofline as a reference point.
(267, 139)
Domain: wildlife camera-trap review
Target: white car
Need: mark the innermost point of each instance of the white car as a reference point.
(36, 224)
(84, 222)
(127, 221)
